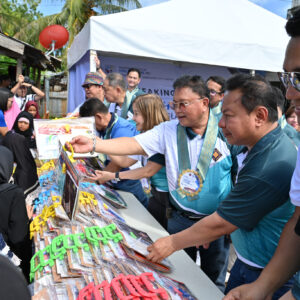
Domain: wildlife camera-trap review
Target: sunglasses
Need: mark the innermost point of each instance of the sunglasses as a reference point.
(292, 78)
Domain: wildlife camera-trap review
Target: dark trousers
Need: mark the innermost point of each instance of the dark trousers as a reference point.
(158, 205)
(241, 273)
(214, 260)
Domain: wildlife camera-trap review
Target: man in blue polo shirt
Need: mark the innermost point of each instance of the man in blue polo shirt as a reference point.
(257, 208)
(110, 126)
(198, 165)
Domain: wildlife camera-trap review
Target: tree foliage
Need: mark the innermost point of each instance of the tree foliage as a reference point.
(15, 14)
(22, 20)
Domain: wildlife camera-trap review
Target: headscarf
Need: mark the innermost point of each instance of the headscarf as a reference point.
(13, 284)
(25, 174)
(30, 140)
(29, 117)
(6, 168)
(33, 103)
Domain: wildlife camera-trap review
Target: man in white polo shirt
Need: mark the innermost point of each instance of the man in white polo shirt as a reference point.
(198, 165)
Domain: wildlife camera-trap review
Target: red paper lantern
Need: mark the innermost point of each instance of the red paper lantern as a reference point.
(56, 33)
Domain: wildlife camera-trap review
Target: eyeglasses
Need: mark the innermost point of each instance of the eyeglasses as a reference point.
(182, 104)
(292, 78)
(214, 93)
(88, 86)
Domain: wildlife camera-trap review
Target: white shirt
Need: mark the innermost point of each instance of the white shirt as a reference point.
(115, 108)
(295, 183)
(163, 139)
(22, 101)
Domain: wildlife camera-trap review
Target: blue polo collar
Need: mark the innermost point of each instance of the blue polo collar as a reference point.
(264, 142)
(103, 132)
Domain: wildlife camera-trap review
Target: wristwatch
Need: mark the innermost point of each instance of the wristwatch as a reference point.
(117, 177)
(94, 146)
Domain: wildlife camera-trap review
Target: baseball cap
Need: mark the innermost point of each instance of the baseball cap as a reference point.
(93, 78)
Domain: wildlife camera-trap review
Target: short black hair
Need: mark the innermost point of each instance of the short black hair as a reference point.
(292, 26)
(256, 91)
(134, 70)
(4, 95)
(195, 83)
(4, 77)
(219, 80)
(279, 97)
(91, 107)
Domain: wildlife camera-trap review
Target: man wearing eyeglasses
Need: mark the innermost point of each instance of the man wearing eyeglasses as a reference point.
(198, 166)
(93, 88)
(216, 86)
(286, 260)
(289, 130)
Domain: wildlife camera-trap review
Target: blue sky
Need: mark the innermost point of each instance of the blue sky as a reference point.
(279, 7)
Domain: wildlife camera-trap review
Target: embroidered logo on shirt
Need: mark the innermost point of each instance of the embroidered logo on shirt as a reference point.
(216, 155)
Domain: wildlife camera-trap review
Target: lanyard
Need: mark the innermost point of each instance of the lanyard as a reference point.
(125, 107)
(109, 129)
(206, 151)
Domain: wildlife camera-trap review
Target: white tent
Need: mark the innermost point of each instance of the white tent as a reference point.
(229, 33)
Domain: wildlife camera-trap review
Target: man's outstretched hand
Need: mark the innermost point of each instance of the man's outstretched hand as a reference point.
(80, 144)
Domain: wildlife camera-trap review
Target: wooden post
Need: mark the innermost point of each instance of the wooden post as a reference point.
(38, 79)
(19, 67)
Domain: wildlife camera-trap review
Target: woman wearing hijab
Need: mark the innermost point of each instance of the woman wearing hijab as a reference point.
(14, 223)
(32, 108)
(13, 285)
(25, 174)
(24, 126)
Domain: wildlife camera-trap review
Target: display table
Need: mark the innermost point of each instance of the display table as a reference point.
(185, 269)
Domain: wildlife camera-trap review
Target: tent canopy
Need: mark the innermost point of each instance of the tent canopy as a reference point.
(231, 33)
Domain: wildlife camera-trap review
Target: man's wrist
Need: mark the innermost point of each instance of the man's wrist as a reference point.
(117, 176)
(94, 145)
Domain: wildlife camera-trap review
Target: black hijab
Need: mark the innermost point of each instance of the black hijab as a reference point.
(6, 168)
(13, 285)
(29, 117)
(27, 133)
(25, 174)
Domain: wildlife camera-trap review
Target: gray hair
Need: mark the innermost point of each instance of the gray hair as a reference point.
(116, 79)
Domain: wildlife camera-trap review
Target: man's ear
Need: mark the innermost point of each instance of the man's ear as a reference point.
(261, 115)
(118, 89)
(205, 101)
(98, 117)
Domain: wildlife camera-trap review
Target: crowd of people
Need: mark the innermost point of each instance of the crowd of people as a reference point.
(229, 160)
(224, 171)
